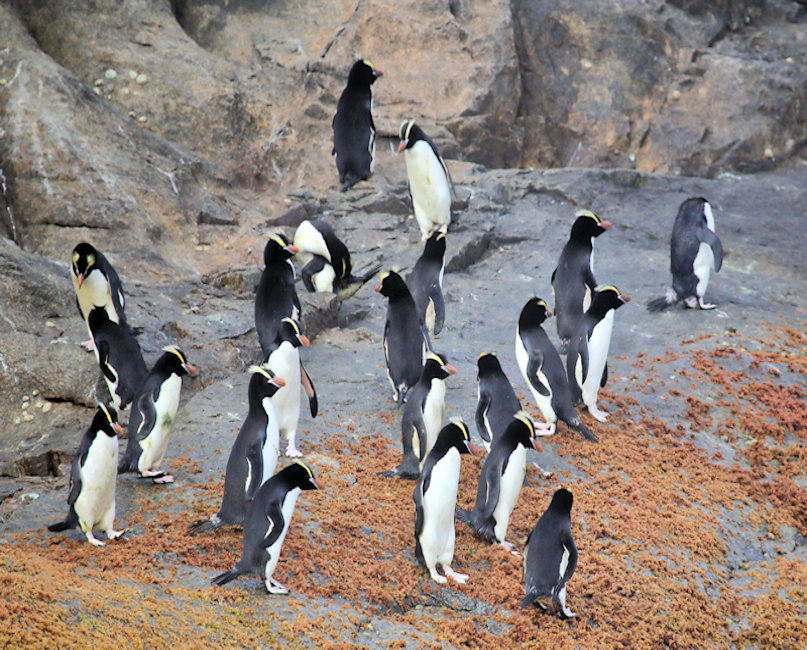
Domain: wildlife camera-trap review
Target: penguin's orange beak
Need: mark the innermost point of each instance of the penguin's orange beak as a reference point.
(117, 428)
(378, 73)
(402, 146)
(537, 444)
(475, 451)
(605, 225)
(378, 287)
(304, 340)
(625, 297)
(278, 381)
(190, 369)
(451, 370)
(292, 249)
(80, 279)
(320, 485)
(549, 313)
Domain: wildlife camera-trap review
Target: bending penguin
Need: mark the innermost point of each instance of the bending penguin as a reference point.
(695, 250)
(275, 298)
(267, 523)
(325, 260)
(253, 457)
(353, 127)
(587, 361)
(429, 180)
(435, 497)
(92, 479)
(423, 415)
(425, 283)
(573, 278)
(550, 556)
(153, 416)
(405, 337)
(500, 481)
(496, 400)
(543, 370)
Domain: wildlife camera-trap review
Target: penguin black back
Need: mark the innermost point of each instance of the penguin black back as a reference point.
(275, 298)
(425, 282)
(496, 400)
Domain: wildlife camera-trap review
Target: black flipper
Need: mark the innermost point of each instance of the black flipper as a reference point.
(709, 238)
(310, 392)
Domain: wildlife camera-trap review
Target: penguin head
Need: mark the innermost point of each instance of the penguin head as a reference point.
(486, 364)
(456, 434)
(278, 249)
(607, 297)
(409, 133)
(588, 225)
(264, 382)
(290, 331)
(299, 475)
(522, 429)
(562, 501)
(437, 366)
(84, 260)
(534, 313)
(696, 209)
(391, 285)
(106, 420)
(435, 247)
(363, 74)
(174, 361)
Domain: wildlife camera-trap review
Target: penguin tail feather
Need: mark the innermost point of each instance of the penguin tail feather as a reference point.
(529, 599)
(583, 430)
(224, 578)
(60, 526)
(463, 515)
(660, 304)
(204, 526)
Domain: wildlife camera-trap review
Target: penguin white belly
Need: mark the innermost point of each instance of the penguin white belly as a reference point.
(289, 501)
(310, 242)
(437, 536)
(544, 404)
(431, 194)
(433, 412)
(96, 502)
(285, 363)
(509, 489)
(598, 345)
(564, 562)
(323, 281)
(95, 292)
(702, 267)
(430, 317)
(271, 446)
(155, 443)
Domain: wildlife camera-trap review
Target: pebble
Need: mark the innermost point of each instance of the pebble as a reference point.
(17, 420)
(47, 406)
(39, 404)
(35, 392)
(768, 153)
(50, 323)
(27, 417)
(132, 74)
(25, 398)
(110, 74)
(141, 79)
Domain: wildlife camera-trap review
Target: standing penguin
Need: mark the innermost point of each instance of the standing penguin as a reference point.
(423, 415)
(353, 127)
(435, 498)
(405, 336)
(496, 400)
(694, 250)
(550, 556)
(573, 278)
(429, 180)
(92, 479)
(325, 260)
(153, 414)
(425, 282)
(275, 298)
(285, 360)
(500, 481)
(543, 370)
(253, 457)
(587, 361)
(96, 284)
(119, 357)
(268, 522)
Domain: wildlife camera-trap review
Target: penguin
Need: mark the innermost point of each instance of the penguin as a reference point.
(550, 556)
(275, 298)
(573, 277)
(285, 360)
(119, 357)
(267, 523)
(429, 180)
(496, 400)
(435, 498)
(353, 127)
(96, 284)
(325, 260)
(153, 414)
(405, 336)
(587, 360)
(92, 479)
(695, 250)
(425, 283)
(543, 370)
(500, 481)
(423, 415)
(253, 457)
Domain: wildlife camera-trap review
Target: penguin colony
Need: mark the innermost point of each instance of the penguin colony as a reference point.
(261, 500)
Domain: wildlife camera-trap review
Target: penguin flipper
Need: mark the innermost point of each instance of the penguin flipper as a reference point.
(274, 514)
(103, 359)
(535, 364)
(604, 375)
(255, 469)
(568, 545)
(481, 409)
(310, 392)
(708, 237)
(308, 272)
(141, 422)
(436, 296)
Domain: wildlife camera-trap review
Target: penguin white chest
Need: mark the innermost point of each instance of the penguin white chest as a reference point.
(323, 281)
(437, 537)
(431, 194)
(285, 363)
(433, 411)
(95, 292)
(544, 403)
(287, 508)
(705, 258)
(271, 446)
(510, 487)
(598, 344)
(98, 477)
(165, 408)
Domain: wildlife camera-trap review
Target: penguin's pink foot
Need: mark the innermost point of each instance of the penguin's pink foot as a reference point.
(507, 545)
(440, 580)
(114, 534)
(545, 429)
(705, 305)
(597, 414)
(274, 587)
(93, 540)
(158, 477)
(456, 577)
(691, 302)
(292, 451)
(88, 345)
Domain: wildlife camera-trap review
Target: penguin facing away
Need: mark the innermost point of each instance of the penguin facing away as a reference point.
(550, 555)
(695, 250)
(587, 361)
(353, 127)
(325, 260)
(92, 479)
(405, 337)
(496, 400)
(435, 497)
(153, 413)
(254, 453)
(285, 360)
(119, 357)
(275, 298)
(573, 278)
(425, 282)
(267, 523)
(422, 417)
(543, 370)
(429, 180)
(500, 481)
